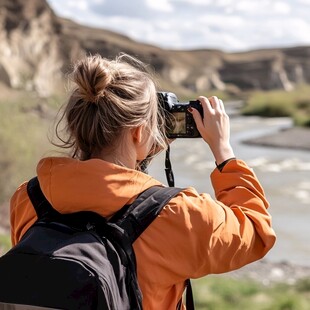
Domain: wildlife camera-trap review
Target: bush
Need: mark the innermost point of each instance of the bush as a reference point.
(278, 103)
(268, 104)
(303, 285)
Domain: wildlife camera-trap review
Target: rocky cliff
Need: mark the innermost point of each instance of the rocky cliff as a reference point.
(37, 47)
(30, 53)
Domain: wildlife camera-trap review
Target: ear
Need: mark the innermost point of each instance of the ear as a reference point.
(137, 134)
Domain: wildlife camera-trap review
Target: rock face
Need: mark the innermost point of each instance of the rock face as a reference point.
(267, 69)
(30, 56)
(37, 48)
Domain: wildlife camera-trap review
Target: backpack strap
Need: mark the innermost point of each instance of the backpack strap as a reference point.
(135, 218)
(41, 205)
(77, 221)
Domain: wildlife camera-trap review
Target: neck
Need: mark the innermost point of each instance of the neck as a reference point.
(121, 155)
(123, 161)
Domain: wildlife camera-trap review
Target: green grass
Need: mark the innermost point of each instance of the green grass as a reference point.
(278, 103)
(225, 293)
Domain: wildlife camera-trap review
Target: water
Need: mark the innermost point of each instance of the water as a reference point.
(284, 174)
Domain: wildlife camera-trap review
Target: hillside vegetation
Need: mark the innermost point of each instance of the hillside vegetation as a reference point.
(26, 124)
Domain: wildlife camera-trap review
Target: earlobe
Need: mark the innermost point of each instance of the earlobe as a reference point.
(137, 134)
(141, 142)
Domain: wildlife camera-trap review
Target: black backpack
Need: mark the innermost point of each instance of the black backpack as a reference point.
(79, 260)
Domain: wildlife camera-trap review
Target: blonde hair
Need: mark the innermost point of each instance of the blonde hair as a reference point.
(109, 96)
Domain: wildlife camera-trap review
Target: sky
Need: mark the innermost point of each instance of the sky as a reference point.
(228, 25)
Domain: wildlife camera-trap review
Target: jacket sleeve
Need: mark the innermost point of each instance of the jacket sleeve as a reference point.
(196, 235)
(22, 214)
(246, 218)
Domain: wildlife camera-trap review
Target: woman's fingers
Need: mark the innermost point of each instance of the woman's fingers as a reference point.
(222, 105)
(206, 105)
(214, 126)
(197, 118)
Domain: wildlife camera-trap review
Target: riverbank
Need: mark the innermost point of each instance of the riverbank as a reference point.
(267, 272)
(264, 271)
(292, 138)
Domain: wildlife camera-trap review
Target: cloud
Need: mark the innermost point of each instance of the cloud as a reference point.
(133, 8)
(184, 24)
(305, 2)
(160, 5)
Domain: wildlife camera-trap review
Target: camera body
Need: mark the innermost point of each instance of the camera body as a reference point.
(179, 122)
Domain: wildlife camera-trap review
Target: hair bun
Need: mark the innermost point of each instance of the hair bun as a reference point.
(92, 76)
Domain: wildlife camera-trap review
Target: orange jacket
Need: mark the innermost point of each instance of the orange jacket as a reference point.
(193, 236)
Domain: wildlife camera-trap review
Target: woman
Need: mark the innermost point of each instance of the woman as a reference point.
(112, 125)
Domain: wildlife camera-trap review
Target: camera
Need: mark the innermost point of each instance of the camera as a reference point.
(179, 122)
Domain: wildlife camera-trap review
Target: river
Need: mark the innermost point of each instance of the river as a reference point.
(284, 174)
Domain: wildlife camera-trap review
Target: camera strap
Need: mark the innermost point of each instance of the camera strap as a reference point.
(168, 168)
(189, 293)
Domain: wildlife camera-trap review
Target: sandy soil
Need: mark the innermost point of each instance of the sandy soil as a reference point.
(295, 138)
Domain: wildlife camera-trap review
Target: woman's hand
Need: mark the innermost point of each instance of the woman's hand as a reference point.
(214, 127)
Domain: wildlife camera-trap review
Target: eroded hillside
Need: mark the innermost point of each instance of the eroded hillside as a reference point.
(37, 48)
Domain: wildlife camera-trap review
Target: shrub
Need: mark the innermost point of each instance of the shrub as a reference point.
(278, 103)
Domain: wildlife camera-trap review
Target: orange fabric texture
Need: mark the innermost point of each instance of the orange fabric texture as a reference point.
(195, 235)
